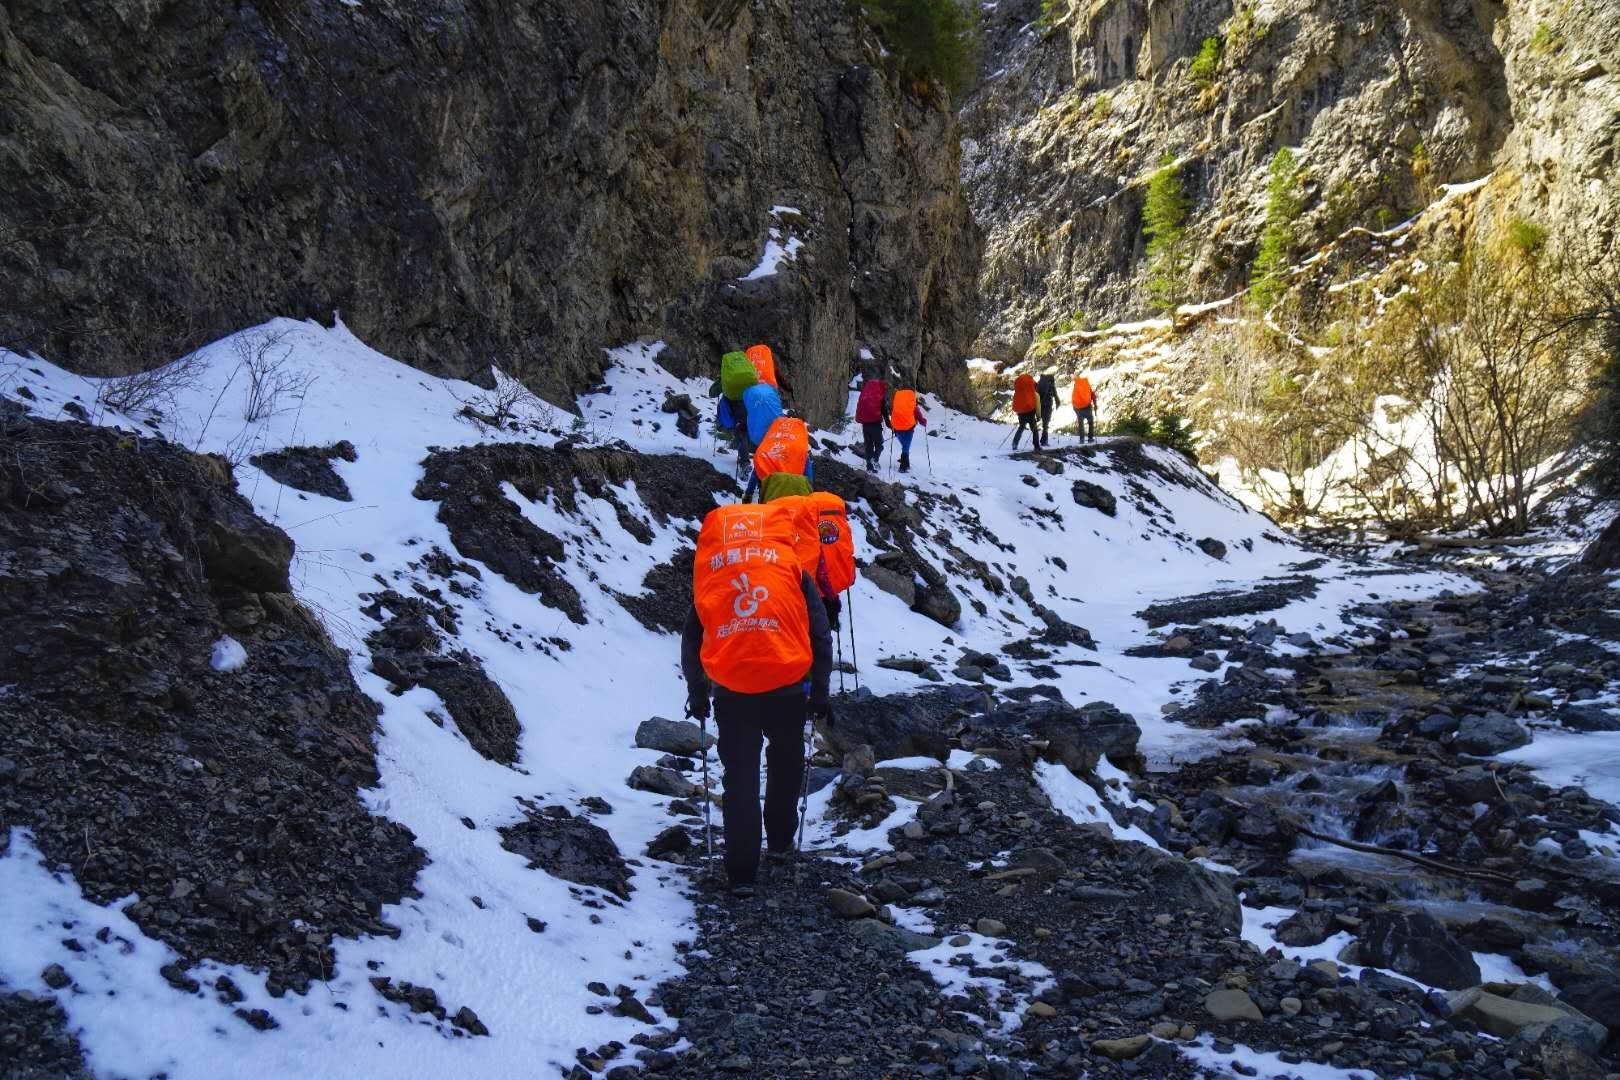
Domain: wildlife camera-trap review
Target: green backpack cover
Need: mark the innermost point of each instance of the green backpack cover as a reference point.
(736, 374)
(781, 484)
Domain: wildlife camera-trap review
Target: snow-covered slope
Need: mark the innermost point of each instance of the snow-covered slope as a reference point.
(579, 689)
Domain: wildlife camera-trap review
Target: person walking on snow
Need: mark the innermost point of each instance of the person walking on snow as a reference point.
(1024, 404)
(904, 416)
(757, 634)
(1085, 408)
(872, 413)
(1046, 390)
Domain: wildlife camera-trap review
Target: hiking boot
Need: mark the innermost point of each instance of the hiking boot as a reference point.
(744, 891)
(781, 858)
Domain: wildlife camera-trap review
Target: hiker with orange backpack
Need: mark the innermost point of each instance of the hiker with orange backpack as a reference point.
(904, 416)
(756, 634)
(764, 362)
(782, 464)
(872, 412)
(1024, 403)
(1084, 400)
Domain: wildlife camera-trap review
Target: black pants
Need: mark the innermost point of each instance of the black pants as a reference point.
(873, 431)
(1046, 423)
(744, 721)
(1027, 420)
(1083, 419)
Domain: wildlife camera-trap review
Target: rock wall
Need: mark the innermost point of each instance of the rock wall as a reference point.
(473, 183)
(1382, 102)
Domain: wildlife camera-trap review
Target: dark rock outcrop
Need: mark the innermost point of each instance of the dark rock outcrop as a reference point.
(1418, 945)
(469, 184)
(929, 724)
(308, 468)
(408, 651)
(570, 847)
(487, 526)
(226, 801)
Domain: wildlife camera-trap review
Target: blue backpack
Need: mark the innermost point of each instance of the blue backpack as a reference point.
(764, 405)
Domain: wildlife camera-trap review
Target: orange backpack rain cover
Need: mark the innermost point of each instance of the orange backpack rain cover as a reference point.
(837, 542)
(1082, 393)
(785, 448)
(746, 587)
(806, 535)
(764, 362)
(903, 412)
(1024, 394)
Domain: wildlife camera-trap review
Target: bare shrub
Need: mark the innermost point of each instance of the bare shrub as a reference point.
(145, 391)
(262, 358)
(510, 406)
(1268, 408)
(1506, 378)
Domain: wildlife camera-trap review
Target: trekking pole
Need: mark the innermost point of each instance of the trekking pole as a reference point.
(891, 457)
(708, 824)
(839, 638)
(929, 450)
(854, 654)
(804, 785)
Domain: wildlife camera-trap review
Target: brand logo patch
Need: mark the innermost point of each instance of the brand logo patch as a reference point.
(748, 598)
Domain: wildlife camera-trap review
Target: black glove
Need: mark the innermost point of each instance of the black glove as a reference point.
(820, 713)
(697, 707)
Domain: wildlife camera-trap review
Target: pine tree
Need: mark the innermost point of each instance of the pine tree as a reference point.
(1164, 223)
(1284, 204)
(930, 39)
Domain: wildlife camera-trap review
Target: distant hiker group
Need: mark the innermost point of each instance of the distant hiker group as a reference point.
(875, 409)
(1034, 401)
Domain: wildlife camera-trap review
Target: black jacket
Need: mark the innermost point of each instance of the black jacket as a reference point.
(697, 680)
(1046, 388)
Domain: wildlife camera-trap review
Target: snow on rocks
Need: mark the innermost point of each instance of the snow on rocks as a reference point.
(547, 551)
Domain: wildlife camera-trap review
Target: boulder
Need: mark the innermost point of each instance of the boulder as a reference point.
(1212, 547)
(1492, 733)
(1095, 497)
(1417, 945)
(1528, 1012)
(848, 905)
(1184, 886)
(938, 603)
(662, 782)
(1303, 929)
(1122, 1049)
(1587, 718)
(680, 737)
(898, 585)
(241, 550)
(1229, 1004)
(893, 940)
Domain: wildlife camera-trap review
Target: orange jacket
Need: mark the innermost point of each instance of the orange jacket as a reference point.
(1024, 400)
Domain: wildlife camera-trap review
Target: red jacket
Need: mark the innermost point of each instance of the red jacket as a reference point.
(869, 406)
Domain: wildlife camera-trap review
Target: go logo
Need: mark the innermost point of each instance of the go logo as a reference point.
(748, 599)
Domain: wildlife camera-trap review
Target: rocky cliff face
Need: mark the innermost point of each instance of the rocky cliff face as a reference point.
(474, 185)
(1382, 102)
